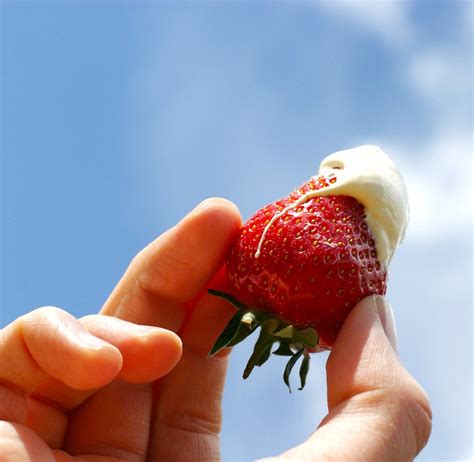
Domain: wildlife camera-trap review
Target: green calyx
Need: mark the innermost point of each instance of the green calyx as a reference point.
(291, 341)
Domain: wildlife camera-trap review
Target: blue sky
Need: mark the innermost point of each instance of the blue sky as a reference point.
(118, 117)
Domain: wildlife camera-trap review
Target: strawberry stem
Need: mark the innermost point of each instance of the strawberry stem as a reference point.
(231, 299)
(292, 341)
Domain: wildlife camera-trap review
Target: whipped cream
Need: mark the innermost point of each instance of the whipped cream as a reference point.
(367, 174)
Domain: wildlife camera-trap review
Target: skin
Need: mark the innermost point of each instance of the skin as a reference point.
(122, 386)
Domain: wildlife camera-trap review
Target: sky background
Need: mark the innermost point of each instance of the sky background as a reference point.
(117, 118)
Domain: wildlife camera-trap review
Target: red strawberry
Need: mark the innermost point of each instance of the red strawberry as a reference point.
(297, 268)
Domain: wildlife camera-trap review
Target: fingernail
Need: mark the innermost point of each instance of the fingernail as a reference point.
(386, 318)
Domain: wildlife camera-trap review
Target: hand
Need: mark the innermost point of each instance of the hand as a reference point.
(377, 411)
(78, 384)
(68, 383)
(82, 390)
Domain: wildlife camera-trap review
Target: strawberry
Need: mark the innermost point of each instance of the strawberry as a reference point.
(300, 264)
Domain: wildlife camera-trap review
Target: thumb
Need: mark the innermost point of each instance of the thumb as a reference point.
(377, 411)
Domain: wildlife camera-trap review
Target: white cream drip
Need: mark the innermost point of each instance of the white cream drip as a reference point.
(367, 174)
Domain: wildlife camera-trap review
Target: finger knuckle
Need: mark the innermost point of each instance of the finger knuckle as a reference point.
(88, 318)
(41, 316)
(46, 311)
(418, 415)
(164, 278)
(192, 421)
(407, 409)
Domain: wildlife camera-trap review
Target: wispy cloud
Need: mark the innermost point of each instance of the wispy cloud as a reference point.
(388, 19)
(439, 184)
(442, 76)
(438, 168)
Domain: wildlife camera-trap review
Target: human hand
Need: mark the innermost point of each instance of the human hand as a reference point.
(78, 384)
(67, 395)
(369, 391)
(377, 411)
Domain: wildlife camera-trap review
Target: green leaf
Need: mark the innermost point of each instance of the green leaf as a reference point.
(289, 367)
(283, 350)
(231, 299)
(265, 355)
(261, 352)
(248, 324)
(286, 332)
(308, 337)
(304, 368)
(243, 331)
(227, 334)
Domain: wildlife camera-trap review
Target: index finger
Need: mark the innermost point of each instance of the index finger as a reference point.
(171, 271)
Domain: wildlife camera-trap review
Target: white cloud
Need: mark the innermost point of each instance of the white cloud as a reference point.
(442, 76)
(430, 69)
(437, 170)
(386, 18)
(438, 177)
(441, 181)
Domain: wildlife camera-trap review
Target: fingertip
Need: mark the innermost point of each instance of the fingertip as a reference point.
(170, 343)
(363, 357)
(358, 325)
(178, 264)
(96, 367)
(220, 211)
(147, 352)
(217, 204)
(151, 355)
(64, 349)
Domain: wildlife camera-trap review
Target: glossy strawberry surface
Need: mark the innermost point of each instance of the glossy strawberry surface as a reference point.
(317, 260)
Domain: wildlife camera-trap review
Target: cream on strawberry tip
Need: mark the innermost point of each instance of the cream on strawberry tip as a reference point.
(367, 174)
(370, 176)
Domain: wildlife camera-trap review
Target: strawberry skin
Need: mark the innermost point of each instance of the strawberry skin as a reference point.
(317, 261)
(296, 270)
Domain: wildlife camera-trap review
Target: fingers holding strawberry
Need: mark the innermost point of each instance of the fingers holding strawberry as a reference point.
(295, 270)
(377, 411)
